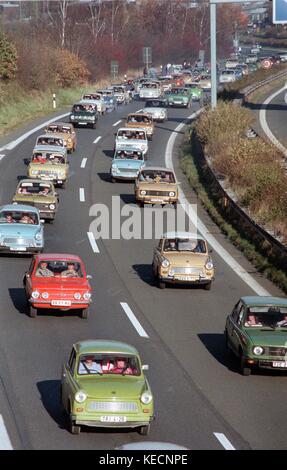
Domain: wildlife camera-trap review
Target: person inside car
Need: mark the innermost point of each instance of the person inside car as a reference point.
(44, 191)
(9, 219)
(252, 320)
(107, 366)
(122, 367)
(71, 271)
(43, 271)
(88, 365)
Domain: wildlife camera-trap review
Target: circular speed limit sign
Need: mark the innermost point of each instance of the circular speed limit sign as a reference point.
(266, 64)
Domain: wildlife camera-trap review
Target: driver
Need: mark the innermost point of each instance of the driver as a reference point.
(89, 366)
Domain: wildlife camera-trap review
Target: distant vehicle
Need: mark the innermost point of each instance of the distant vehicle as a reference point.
(195, 91)
(231, 63)
(205, 82)
(251, 59)
(84, 114)
(179, 97)
(49, 163)
(150, 90)
(227, 76)
(40, 194)
(96, 98)
(283, 57)
(126, 164)
(255, 50)
(66, 131)
(128, 138)
(157, 109)
(156, 185)
(143, 120)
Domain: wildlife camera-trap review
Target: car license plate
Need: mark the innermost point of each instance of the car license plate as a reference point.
(184, 278)
(157, 200)
(61, 303)
(113, 419)
(18, 248)
(60, 181)
(279, 364)
(83, 123)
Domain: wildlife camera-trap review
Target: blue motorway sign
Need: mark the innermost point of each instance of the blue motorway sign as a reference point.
(279, 11)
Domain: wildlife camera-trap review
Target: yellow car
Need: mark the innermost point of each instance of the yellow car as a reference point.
(49, 163)
(143, 120)
(156, 185)
(66, 131)
(182, 258)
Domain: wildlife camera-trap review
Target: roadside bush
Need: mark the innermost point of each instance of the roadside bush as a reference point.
(70, 70)
(8, 58)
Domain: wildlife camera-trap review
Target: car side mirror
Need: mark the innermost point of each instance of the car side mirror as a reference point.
(145, 367)
(27, 274)
(89, 276)
(42, 221)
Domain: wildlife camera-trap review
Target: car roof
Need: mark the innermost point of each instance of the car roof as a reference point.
(132, 129)
(262, 300)
(158, 168)
(191, 235)
(46, 136)
(138, 114)
(105, 346)
(61, 256)
(19, 207)
(58, 123)
(38, 181)
(51, 148)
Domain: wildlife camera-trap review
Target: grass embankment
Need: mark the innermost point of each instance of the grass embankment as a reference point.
(251, 168)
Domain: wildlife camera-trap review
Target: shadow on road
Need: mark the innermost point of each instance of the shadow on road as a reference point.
(144, 272)
(50, 396)
(19, 300)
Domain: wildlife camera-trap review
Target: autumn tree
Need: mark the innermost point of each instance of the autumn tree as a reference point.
(8, 58)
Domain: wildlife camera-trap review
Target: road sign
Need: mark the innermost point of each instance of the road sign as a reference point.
(279, 11)
(266, 64)
(147, 55)
(114, 70)
(201, 56)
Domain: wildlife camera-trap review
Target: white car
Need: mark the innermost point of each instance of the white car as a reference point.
(95, 98)
(231, 63)
(227, 76)
(251, 59)
(150, 90)
(132, 138)
(255, 50)
(283, 57)
(157, 109)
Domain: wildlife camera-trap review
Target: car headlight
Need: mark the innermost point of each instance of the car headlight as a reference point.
(38, 236)
(142, 147)
(80, 396)
(72, 116)
(146, 398)
(52, 206)
(258, 350)
(70, 140)
(45, 295)
(77, 295)
(209, 265)
(165, 263)
(171, 194)
(35, 294)
(143, 193)
(61, 174)
(87, 295)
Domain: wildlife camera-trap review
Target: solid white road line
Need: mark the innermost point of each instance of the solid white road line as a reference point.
(134, 320)
(139, 111)
(82, 194)
(5, 443)
(116, 123)
(93, 242)
(97, 139)
(11, 145)
(232, 263)
(83, 163)
(224, 441)
(264, 125)
(2, 155)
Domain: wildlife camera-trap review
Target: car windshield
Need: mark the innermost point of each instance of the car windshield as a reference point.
(94, 96)
(118, 90)
(51, 158)
(59, 128)
(84, 108)
(18, 217)
(157, 176)
(266, 316)
(50, 141)
(135, 118)
(150, 85)
(59, 268)
(128, 155)
(130, 134)
(108, 364)
(179, 91)
(184, 244)
(154, 104)
(41, 189)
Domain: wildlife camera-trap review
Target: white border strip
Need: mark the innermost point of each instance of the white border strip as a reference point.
(229, 260)
(134, 320)
(264, 125)
(97, 139)
(11, 145)
(116, 123)
(224, 441)
(5, 443)
(93, 242)
(83, 163)
(82, 194)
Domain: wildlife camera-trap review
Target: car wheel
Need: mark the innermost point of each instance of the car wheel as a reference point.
(161, 284)
(244, 369)
(85, 313)
(63, 185)
(174, 204)
(114, 180)
(32, 312)
(144, 430)
(94, 126)
(207, 286)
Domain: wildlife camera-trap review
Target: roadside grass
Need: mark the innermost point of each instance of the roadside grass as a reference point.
(193, 166)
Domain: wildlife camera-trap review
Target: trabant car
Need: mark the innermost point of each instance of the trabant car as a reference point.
(84, 114)
(143, 120)
(131, 138)
(195, 91)
(103, 385)
(57, 281)
(256, 332)
(166, 82)
(126, 164)
(156, 185)
(96, 98)
(178, 80)
(227, 76)
(49, 140)
(66, 131)
(110, 100)
(150, 90)
(49, 163)
(121, 94)
(205, 82)
(157, 109)
(251, 59)
(179, 96)
(21, 229)
(182, 258)
(40, 194)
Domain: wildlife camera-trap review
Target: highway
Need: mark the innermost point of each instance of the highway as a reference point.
(198, 390)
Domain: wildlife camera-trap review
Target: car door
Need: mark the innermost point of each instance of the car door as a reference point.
(157, 257)
(231, 325)
(236, 334)
(27, 280)
(68, 371)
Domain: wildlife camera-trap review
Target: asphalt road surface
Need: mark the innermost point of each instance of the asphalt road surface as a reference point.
(198, 391)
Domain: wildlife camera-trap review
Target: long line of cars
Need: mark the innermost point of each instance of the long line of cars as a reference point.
(96, 369)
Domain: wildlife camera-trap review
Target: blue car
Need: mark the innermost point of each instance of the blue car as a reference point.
(21, 229)
(127, 164)
(110, 102)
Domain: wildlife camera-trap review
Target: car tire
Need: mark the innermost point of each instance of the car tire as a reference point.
(144, 430)
(63, 185)
(85, 313)
(244, 369)
(94, 126)
(161, 284)
(32, 311)
(207, 286)
(114, 180)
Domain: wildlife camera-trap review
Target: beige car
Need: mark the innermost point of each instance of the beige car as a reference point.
(49, 163)
(143, 120)
(182, 258)
(66, 131)
(156, 185)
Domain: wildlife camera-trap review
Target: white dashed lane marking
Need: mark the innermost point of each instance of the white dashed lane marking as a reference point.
(134, 320)
(5, 443)
(82, 194)
(116, 123)
(83, 163)
(224, 441)
(93, 242)
(97, 139)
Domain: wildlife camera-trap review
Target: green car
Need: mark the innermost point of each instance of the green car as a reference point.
(40, 194)
(103, 385)
(179, 96)
(195, 91)
(256, 332)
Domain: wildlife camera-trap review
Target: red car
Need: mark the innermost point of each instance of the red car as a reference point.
(57, 281)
